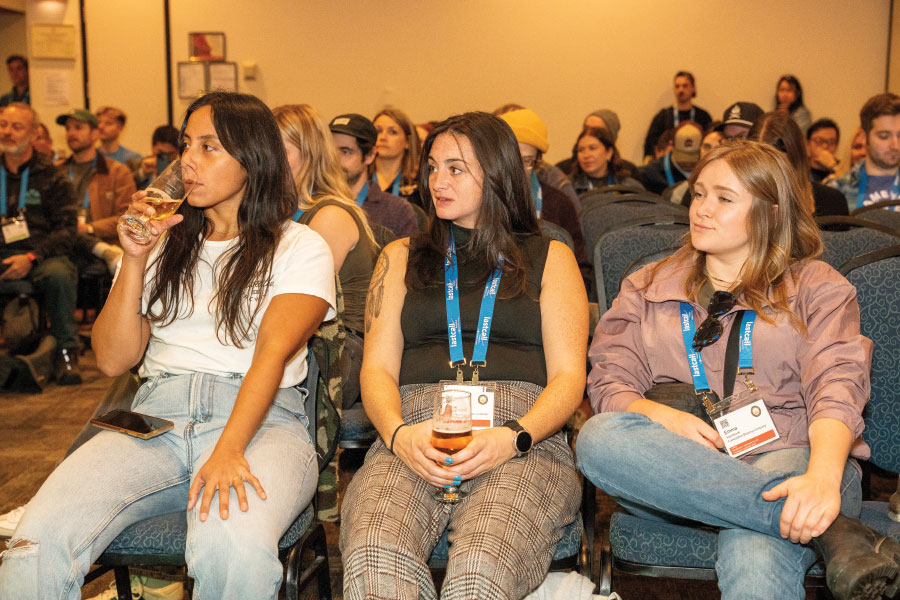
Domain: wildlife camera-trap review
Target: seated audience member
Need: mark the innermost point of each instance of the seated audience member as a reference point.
(750, 255)
(738, 119)
(226, 372)
(661, 173)
(672, 116)
(877, 176)
(600, 119)
(43, 143)
(163, 150)
(354, 139)
(110, 123)
(713, 138)
(397, 155)
(17, 67)
(789, 100)
(39, 218)
(778, 129)
(325, 205)
(822, 139)
(857, 147)
(103, 190)
(533, 363)
(550, 203)
(597, 162)
(664, 144)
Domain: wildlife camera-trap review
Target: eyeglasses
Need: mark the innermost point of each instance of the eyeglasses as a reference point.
(529, 162)
(711, 329)
(824, 142)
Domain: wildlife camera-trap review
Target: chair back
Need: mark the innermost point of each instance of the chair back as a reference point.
(618, 248)
(859, 237)
(647, 259)
(875, 276)
(884, 212)
(600, 215)
(558, 233)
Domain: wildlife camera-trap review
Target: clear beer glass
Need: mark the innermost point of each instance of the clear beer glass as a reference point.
(451, 431)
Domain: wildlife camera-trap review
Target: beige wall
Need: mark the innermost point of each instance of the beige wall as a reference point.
(562, 59)
(12, 41)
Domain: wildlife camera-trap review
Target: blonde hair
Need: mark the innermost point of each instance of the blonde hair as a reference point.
(409, 168)
(781, 229)
(320, 177)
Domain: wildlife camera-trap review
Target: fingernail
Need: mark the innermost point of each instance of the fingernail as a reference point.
(457, 479)
(447, 487)
(448, 460)
(202, 516)
(224, 514)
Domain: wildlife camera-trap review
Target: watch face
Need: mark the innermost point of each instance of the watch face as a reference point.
(523, 441)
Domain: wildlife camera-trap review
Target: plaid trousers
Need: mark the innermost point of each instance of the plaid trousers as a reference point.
(502, 536)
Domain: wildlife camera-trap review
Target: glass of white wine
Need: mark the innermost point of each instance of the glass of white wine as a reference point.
(165, 194)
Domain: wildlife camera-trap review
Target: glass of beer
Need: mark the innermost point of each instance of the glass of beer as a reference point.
(451, 431)
(165, 194)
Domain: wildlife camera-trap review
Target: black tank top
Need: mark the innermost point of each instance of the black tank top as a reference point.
(515, 350)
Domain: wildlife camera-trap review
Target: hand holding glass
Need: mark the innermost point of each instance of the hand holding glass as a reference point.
(451, 432)
(165, 194)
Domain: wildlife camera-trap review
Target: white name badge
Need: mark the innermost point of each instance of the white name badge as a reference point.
(482, 403)
(746, 424)
(15, 230)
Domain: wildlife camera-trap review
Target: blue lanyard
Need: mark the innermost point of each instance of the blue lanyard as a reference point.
(297, 215)
(362, 195)
(454, 319)
(395, 187)
(695, 361)
(87, 200)
(667, 165)
(537, 195)
(864, 183)
(677, 118)
(23, 189)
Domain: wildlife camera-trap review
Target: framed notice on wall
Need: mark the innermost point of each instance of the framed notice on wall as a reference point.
(206, 45)
(222, 76)
(191, 79)
(53, 41)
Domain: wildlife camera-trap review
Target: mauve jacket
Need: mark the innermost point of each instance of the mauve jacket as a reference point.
(638, 343)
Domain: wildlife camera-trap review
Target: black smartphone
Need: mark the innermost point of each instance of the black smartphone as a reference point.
(132, 423)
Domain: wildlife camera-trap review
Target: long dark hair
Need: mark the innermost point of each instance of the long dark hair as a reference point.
(248, 132)
(506, 215)
(796, 83)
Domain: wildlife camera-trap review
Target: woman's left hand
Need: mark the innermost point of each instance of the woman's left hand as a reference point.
(223, 470)
(489, 448)
(811, 506)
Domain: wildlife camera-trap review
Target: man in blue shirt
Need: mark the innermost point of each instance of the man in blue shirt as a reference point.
(17, 66)
(110, 122)
(877, 177)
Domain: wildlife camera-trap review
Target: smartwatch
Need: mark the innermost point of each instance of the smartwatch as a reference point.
(522, 440)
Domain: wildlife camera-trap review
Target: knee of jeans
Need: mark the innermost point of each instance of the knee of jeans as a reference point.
(20, 548)
(599, 436)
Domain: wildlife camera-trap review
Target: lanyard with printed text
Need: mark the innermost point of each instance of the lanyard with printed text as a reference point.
(23, 189)
(695, 361)
(864, 183)
(454, 318)
(677, 118)
(363, 194)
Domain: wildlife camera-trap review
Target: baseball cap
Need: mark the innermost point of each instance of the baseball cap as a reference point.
(688, 137)
(741, 113)
(356, 125)
(79, 114)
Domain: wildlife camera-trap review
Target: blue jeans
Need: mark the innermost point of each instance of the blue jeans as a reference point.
(115, 480)
(657, 474)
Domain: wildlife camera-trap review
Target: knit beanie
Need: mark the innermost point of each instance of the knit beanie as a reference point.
(528, 128)
(611, 119)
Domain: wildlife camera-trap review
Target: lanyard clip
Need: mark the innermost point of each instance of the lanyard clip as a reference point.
(706, 400)
(459, 374)
(475, 369)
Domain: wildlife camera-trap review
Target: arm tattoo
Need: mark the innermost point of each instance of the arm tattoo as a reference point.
(376, 290)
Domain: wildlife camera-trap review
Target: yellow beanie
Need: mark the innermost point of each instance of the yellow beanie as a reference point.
(528, 128)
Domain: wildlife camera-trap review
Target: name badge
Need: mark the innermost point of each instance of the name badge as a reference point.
(482, 402)
(15, 230)
(744, 422)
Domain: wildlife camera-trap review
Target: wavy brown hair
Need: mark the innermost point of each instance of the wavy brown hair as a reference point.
(779, 130)
(778, 238)
(248, 132)
(506, 215)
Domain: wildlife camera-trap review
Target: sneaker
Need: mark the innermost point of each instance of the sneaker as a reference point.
(67, 372)
(141, 590)
(10, 521)
(113, 594)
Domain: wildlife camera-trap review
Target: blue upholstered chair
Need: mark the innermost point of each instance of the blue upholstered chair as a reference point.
(886, 212)
(160, 541)
(618, 248)
(657, 549)
(855, 236)
(558, 233)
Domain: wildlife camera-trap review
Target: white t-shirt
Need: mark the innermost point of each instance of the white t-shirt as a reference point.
(303, 265)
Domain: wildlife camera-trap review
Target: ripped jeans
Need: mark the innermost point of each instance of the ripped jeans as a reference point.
(115, 480)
